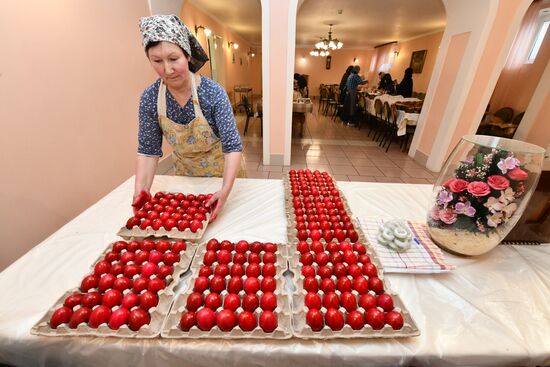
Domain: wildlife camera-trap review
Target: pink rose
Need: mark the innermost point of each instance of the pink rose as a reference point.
(435, 213)
(517, 174)
(447, 216)
(447, 183)
(478, 188)
(458, 185)
(498, 182)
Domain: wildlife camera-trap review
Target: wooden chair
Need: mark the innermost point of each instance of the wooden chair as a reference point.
(249, 114)
(390, 117)
(378, 120)
(332, 103)
(323, 97)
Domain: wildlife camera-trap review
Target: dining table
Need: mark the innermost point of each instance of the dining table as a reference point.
(300, 107)
(491, 310)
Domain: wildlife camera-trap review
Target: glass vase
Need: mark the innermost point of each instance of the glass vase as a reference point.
(481, 192)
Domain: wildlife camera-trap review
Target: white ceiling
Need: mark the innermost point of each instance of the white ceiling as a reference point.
(362, 24)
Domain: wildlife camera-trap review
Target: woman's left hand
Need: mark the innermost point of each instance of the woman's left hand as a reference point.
(218, 200)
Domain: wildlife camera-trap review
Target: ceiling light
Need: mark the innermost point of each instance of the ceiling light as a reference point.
(329, 43)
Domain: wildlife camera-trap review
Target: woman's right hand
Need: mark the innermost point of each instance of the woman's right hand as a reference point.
(140, 199)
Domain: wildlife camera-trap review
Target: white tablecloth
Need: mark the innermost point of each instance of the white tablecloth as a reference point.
(404, 119)
(492, 310)
(386, 98)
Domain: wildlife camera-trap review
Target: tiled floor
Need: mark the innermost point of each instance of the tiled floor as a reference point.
(345, 152)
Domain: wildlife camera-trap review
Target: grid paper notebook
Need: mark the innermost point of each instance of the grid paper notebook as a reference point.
(423, 257)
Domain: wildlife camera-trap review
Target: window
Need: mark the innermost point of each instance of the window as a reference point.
(544, 22)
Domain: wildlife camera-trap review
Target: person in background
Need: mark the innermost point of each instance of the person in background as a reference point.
(386, 84)
(405, 88)
(380, 76)
(296, 93)
(192, 112)
(350, 104)
(343, 82)
(302, 84)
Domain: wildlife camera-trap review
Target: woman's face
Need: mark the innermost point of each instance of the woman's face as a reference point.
(170, 63)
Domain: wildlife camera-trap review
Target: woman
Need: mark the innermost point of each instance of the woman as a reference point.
(405, 88)
(350, 104)
(193, 113)
(386, 84)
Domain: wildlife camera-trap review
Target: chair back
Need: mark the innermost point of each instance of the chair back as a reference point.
(323, 92)
(378, 107)
(247, 107)
(387, 113)
(505, 113)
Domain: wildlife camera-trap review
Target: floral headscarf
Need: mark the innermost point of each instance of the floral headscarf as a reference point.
(170, 28)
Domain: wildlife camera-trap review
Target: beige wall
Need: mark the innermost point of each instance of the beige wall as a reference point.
(403, 60)
(434, 120)
(71, 74)
(245, 70)
(518, 80)
(315, 67)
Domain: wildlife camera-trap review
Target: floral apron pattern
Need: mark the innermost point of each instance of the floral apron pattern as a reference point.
(197, 151)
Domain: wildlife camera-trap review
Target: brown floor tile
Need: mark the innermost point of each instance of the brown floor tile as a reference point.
(317, 160)
(362, 178)
(257, 174)
(320, 167)
(276, 175)
(252, 166)
(389, 179)
(383, 163)
(413, 180)
(340, 177)
(338, 161)
(369, 171)
(343, 170)
(252, 157)
(335, 154)
(263, 168)
(361, 162)
(393, 172)
(418, 173)
(356, 155)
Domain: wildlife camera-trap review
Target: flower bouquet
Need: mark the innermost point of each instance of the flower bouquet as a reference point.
(490, 185)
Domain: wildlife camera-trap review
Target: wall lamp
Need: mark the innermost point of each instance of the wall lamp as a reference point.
(207, 31)
(251, 53)
(234, 44)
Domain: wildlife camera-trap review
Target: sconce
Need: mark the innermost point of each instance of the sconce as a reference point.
(207, 31)
(355, 59)
(234, 44)
(395, 52)
(251, 53)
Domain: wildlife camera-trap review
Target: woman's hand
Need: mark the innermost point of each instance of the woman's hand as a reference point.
(218, 201)
(140, 200)
(231, 168)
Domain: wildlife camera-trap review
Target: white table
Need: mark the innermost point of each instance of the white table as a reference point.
(405, 119)
(386, 98)
(493, 310)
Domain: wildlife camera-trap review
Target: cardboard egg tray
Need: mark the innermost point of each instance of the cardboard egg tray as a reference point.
(157, 313)
(171, 327)
(301, 329)
(174, 233)
(292, 232)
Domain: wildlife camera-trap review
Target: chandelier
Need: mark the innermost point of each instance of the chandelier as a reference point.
(319, 52)
(329, 43)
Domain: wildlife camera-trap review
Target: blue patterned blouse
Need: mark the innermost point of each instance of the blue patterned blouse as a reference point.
(215, 107)
(353, 81)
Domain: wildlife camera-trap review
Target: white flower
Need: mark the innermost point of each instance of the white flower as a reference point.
(494, 204)
(509, 210)
(494, 220)
(507, 196)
